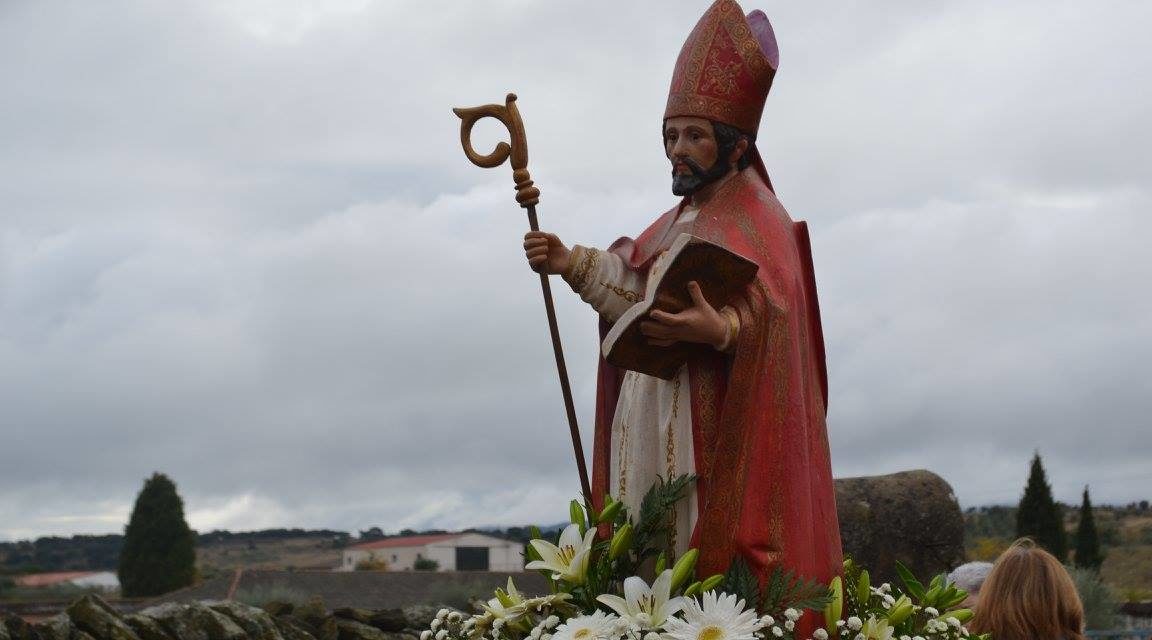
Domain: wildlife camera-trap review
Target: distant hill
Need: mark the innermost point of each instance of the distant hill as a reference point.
(216, 551)
(1125, 534)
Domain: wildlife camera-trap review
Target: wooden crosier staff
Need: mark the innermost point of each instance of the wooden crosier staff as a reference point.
(528, 196)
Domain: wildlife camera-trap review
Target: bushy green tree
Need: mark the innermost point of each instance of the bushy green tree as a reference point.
(1088, 555)
(1039, 517)
(159, 553)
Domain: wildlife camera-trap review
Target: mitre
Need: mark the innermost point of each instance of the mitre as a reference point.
(725, 68)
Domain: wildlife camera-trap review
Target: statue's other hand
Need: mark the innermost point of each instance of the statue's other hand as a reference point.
(700, 323)
(545, 252)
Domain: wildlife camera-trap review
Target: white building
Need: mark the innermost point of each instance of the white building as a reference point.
(451, 552)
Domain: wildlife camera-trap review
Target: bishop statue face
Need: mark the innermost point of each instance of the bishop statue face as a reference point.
(691, 146)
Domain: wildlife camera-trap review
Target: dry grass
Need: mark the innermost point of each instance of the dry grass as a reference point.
(293, 553)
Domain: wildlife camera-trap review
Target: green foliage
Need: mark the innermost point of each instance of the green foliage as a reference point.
(655, 510)
(372, 564)
(159, 553)
(785, 589)
(426, 564)
(1099, 601)
(1039, 517)
(1088, 555)
(994, 521)
(740, 581)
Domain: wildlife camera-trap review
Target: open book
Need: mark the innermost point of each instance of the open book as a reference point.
(721, 275)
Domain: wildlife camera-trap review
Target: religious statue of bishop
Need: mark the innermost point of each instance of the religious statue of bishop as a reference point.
(748, 416)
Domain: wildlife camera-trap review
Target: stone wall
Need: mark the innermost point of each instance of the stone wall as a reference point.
(90, 618)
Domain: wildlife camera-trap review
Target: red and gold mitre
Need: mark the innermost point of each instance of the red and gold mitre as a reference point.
(725, 68)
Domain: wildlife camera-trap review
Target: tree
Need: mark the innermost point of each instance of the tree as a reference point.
(1039, 517)
(1088, 554)
(159, 553)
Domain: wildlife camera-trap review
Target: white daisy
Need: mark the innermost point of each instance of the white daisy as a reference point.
(598, 626)
(716, 617)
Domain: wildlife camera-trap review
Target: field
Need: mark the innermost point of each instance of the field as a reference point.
(309, 553)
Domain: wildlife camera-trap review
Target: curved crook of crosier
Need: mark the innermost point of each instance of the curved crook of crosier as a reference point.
(526, 194)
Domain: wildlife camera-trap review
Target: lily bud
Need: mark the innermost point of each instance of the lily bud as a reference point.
(621, 541)
(963, 615)
(693, 589)
(835, 607)
(610, 512)
(576, 514)
(712, 582)
(682, 570)
(863, 588)
(661, 563)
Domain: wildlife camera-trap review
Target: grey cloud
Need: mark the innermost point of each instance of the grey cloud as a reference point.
(241, 245)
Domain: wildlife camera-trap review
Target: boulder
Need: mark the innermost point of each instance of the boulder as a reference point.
(194, 621)
(382, 619)
(311, 615)
(58, 627)
(16, 628)
(277, 608)
(420, 616)
(4, 635)
(911, 516)
(292, 630)
(147, 628)
(328, 630)
(92, 615)
(255, 622)
(352, 630)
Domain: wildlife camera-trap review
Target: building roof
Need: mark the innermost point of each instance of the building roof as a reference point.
(407, 541)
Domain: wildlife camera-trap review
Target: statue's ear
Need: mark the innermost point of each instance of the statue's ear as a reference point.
(738, 151)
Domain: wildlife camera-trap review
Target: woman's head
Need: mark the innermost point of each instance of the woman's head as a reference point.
(1029, 595)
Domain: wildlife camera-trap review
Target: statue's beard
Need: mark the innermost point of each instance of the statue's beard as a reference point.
(685, 184)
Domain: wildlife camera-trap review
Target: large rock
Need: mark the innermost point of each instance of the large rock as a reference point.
(311, 615)
(92, 615)
(58, 627)
(420, 616)
(16, 628)
(911, 516)
(255, 622)
(4, 635)
(147, 628)
(194, 621)
(292, 630)
(352, 630)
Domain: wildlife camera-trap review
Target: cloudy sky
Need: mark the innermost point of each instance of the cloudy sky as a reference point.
(240, 244)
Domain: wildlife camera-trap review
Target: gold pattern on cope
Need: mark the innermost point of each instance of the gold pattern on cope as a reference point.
(630, 296)
(591, 257)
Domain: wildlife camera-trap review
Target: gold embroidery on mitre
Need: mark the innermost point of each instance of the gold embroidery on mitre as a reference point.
(700, 71)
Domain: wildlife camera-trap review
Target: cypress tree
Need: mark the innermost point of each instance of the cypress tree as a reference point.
(159, 553)
(1088, 553)
(1039, 517)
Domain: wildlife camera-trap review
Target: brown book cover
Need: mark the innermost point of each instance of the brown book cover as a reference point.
(721, 274)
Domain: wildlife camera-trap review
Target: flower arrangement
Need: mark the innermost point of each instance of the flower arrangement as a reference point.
(597, 594)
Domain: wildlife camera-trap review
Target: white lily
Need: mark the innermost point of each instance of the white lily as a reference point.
(508, 603)
(643, 606)
(569, 560)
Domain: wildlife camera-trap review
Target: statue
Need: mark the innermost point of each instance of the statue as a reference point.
(747, 416)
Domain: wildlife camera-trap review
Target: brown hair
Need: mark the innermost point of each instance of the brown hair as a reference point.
(1029, 595)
